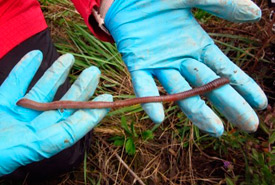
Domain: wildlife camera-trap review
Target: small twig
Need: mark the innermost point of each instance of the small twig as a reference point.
(122, 162)
(190, 149)
(25, 179)
(203, 153)
(233, 29)
(130, 167)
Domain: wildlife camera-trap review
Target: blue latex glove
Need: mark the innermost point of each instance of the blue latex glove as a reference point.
(162, 39)
(27, 135)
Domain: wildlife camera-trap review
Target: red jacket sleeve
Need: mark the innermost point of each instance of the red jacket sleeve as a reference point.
(85, 7)
(19, 20)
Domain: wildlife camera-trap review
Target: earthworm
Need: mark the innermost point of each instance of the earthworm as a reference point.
(64, 104)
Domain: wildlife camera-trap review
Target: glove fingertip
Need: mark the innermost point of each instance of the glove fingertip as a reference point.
(104, 97)
(247, 122)
(155, 112)
(66, 60)
(261, 102)
(36, 53)
(93, 70)
(91, 73)
(98, 114)
(218, 130)
(247, 11)
(252, 93)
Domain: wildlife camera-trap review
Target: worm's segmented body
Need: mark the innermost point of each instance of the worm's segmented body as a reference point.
(122, 103)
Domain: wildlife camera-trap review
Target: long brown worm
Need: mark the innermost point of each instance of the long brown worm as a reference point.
(64, 104)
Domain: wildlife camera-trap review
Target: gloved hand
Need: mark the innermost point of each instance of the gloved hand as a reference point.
(162, 39)
(27, 135)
